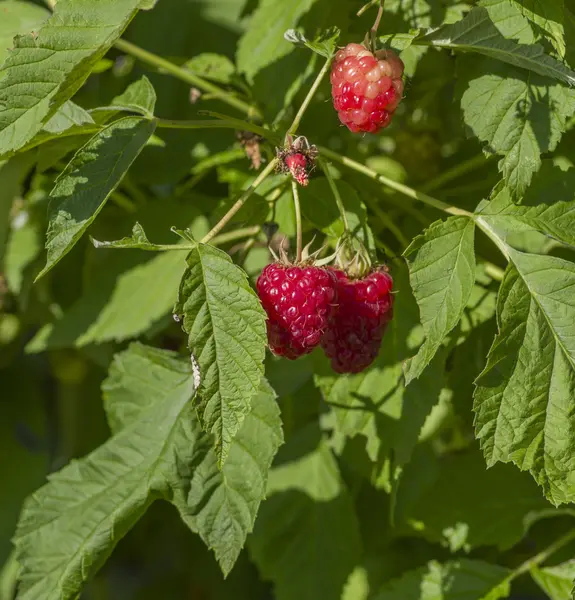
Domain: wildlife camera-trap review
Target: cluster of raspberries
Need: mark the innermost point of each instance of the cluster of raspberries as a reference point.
(311, 306)
(366, 88)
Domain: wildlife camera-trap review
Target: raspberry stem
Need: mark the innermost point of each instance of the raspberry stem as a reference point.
(304, 106)
(185, 75)
(373, 31)
(325, 168)
(398, 187)
(240, 202)
(296, 204)
(225, 123)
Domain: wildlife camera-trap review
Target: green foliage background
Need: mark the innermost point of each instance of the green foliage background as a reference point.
(445, 471)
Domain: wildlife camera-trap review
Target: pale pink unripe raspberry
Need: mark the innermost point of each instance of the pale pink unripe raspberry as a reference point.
(366, 88)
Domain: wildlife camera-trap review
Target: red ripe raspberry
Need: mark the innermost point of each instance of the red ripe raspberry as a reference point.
(298, 165)
(299, 302)
(353, 339)
(366, 88)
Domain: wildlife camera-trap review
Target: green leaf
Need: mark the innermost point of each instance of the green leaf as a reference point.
(456, 501)
(69, 527)
(44, 71)
(139, 97)
(68, 115)
(212, 66)
(556, 582)
(84, 186)
(442, 274)
(376, 404)
(477, 33)
(553, 217)
(220, 505)
(138, 240)
(226, 332)
(457, 580)
(263, 43)
(548, 15)
(18, 17)
(524, 397)
(519, 115)
(324, 44)
(306, 539)
(509, 20)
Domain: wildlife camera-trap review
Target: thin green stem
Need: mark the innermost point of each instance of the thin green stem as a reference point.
(299, 237)
(300, 113)
(457, 171)
(185, 75)
(398, 187)
(495, 272)
(227, 123)
(543, 556)
(325, 168)
(240, 202)
(236, 234)
(386, 220)
(366, 7)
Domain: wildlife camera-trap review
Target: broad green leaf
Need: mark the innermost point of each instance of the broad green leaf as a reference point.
(83, 187)
(217, 67)
(477, 33)
(306, 539)
(18, 17)
(442, 274)
(556, 582)
(139, 97)
(220, 505)
(226, 332)
(70, 526)
(376, 404)
(125, 293)
(45, 70)
(509, 20)
(519, 115)
(552, 216)
(458, 580)
(120, 305)
(547, 15)
(68, 115)
(456, 501)
(324, 44)
(524, 397)
(264, 43)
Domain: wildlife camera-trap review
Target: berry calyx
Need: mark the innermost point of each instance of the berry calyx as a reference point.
(299, 303)
(366, 88)
(365, 306)
(298, 158)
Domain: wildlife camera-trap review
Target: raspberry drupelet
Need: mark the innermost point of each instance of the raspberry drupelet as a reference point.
(365, 306)
(366, 88)
(299, 303)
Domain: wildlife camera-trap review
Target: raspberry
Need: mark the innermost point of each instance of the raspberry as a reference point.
(299, 302)
(353, 340)
(366, 88)
(297, 165)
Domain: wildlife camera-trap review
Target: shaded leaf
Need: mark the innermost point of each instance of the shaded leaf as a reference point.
(325, 43)
(220, 505)
(139, 97)
(212, 66)
(519, 115)
(549, 16)
(226, 332)
(457, 580)
(477, 33)
(442, 274)
(83, 187)
(306, 540)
